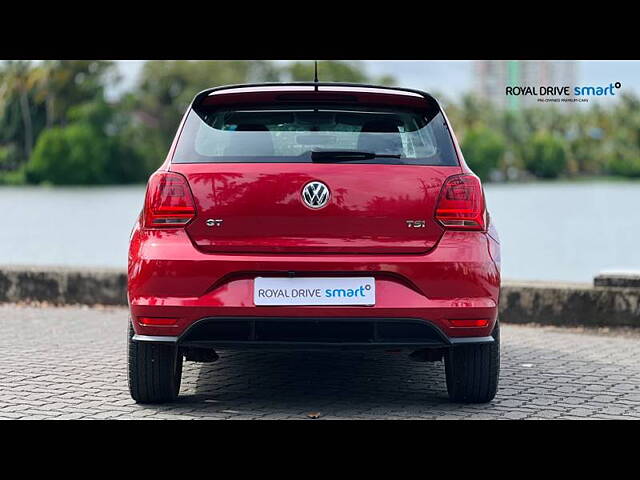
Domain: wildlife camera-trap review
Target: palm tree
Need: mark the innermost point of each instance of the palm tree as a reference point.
(45, 77)
(18, 80)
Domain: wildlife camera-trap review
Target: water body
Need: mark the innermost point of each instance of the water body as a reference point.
(549, 231)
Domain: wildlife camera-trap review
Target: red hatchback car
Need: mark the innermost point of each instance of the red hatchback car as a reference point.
(313, 216)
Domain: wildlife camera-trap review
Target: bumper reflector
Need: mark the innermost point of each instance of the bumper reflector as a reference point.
(474, 322)
(155, 321)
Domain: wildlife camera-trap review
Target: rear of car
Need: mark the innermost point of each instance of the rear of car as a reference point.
(314, 216)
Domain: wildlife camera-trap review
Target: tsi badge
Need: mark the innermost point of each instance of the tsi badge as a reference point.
(416, 223)
(214, 222)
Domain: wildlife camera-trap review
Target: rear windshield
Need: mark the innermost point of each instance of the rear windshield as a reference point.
(291, 133)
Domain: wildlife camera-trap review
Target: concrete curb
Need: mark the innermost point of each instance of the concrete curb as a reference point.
(547, 303)
(569, 304)
(58, 285)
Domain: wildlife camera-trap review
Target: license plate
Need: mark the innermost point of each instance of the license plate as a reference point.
(314, 291)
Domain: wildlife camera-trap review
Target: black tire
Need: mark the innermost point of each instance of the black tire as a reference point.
(472, 371)
(155, 371)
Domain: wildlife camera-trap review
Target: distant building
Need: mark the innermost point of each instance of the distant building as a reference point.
(493, 76)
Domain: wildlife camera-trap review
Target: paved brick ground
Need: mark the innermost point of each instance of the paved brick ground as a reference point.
(60, 363)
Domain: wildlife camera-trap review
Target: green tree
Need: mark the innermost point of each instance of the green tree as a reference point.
(333, 71)
(37, 95)
(68, 83)
(483, 150)
(75, 154)
(166, 88)
(57, 108)
(476, 111)
(17, 79)
(623, 159)
(625, 163)
(91, 149)
(545, 155)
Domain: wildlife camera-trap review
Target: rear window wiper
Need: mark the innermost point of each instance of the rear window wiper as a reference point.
(347, 155)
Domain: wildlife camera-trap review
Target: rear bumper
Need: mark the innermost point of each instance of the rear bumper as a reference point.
(169, 278)
(312, 334)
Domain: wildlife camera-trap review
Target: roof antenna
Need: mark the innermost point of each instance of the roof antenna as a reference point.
(315, 76)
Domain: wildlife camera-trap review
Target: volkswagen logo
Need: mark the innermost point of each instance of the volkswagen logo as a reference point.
(315, 194)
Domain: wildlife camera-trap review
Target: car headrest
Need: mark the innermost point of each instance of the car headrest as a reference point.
(259, 144)
(380, 136)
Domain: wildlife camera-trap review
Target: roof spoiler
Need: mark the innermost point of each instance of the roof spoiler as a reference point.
(331, 92)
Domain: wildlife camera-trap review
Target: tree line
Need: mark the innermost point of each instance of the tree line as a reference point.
(58, 126)
(546, 142)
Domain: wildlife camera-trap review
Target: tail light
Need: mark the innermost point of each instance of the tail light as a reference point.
(169, 202)
(470, 323)
(461, 203)
(157, 322)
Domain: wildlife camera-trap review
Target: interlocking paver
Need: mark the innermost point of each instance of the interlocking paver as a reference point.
(70, 363)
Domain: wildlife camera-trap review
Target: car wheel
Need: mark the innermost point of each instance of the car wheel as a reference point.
(472, 371)
(155, 371)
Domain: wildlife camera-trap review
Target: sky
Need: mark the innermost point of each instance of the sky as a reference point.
(452, 78)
